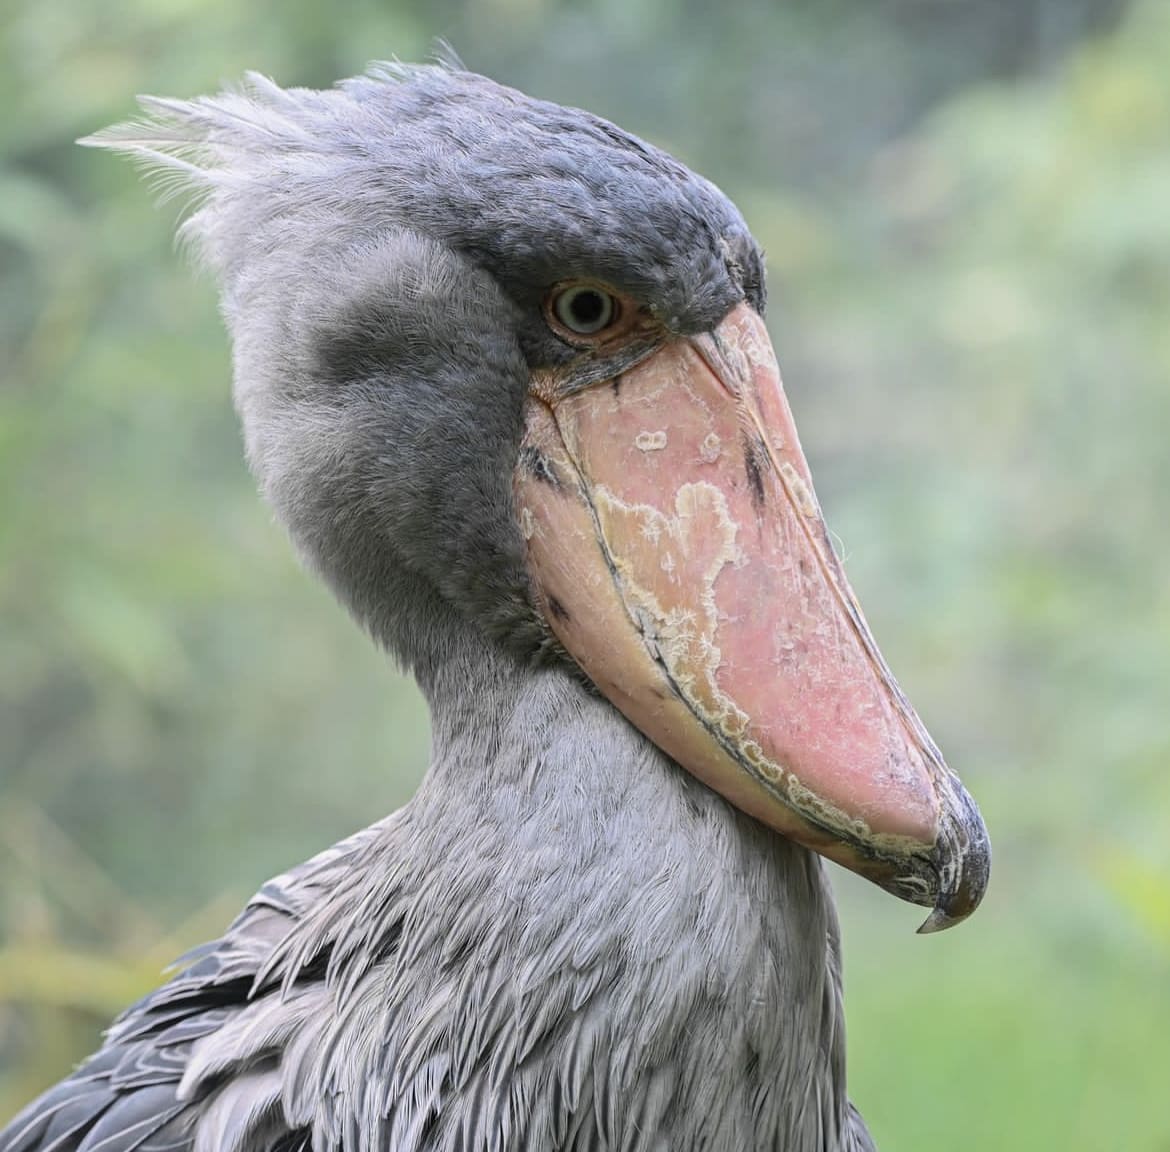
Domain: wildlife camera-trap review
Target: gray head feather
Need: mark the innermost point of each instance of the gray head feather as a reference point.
(382, 250)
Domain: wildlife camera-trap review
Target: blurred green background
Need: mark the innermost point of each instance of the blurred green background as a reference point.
(966, 208)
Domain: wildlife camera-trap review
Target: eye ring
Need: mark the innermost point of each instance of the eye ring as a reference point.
(584, 310)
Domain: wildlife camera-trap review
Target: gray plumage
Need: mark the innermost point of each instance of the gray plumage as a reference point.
(563, 942)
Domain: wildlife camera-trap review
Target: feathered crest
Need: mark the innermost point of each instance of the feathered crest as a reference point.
(197, 149)
(185, 136)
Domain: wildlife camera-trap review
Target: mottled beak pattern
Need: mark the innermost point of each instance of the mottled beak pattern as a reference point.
(679, 554)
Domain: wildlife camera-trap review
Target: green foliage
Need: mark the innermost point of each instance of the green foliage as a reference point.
(970, 284)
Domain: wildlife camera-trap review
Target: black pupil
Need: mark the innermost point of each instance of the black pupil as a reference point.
(587, 308)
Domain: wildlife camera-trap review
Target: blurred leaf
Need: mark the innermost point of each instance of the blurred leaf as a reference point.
(1142, 888)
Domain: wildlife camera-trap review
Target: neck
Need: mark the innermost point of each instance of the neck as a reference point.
(593, 864)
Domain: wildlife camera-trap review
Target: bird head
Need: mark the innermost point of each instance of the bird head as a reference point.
(500, 363)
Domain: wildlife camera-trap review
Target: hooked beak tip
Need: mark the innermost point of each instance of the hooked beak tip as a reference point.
(939, 920)
(963, 862)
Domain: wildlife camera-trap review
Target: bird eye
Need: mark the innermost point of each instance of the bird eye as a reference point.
(585, 309)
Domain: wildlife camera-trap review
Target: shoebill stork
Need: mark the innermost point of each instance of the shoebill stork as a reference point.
(503, 374)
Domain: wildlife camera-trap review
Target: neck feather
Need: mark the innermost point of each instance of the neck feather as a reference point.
(566, 850)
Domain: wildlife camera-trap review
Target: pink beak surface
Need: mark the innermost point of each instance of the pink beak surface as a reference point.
(679, 554)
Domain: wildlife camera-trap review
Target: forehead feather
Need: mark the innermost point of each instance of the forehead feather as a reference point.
(532, 191)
